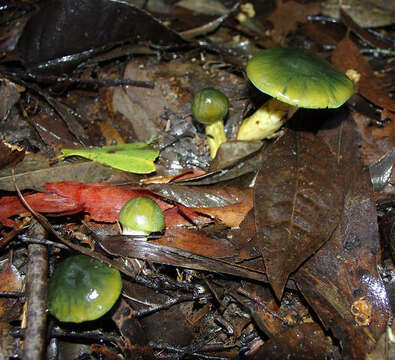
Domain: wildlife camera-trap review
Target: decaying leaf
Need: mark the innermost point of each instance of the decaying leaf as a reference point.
(347, 56)
(341, 281)
(87, 26)
(366, 13)
(305, 341)
(136, 157)
(197, 243)
(163, 254)
(298, 199)
(231, 215)
(287, 16)
(9, 157)
(34, 173)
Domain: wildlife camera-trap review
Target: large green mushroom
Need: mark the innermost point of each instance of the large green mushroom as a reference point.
(294, 78)
(141, 216)
(83, 289)
(209, 107)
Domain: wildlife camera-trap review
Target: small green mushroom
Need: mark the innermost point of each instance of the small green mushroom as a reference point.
(141, 216)
(209, 107)
(83, 289)
(295, 78)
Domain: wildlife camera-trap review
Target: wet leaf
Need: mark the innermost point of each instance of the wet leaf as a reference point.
(231, 215)
(134, 340)
(201, 196)
(233, 152)
(10, 93)
(198, 243)
(305, 341)
(135, 157)
(298, 199)
(380, 172)
(341, 281)
(365, 13)
(88, 26)
(162, 254)
(376, 140)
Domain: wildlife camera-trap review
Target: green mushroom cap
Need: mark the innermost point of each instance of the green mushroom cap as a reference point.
(83, 289)
(142, 214)
(209, 105)
(300, 78)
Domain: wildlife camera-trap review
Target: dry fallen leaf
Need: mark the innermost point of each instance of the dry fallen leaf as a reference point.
(347, 56)
(287, 15)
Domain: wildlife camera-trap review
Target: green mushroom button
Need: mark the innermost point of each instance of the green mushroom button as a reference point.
(141, 216)
(83, 289)
(209, 107)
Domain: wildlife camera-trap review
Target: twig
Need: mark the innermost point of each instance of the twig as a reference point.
(183, 351)
(169, 304)
(378, 51)
(45, 242)
(36, 296)
(12, 294)
(80, 81)
(58, 332)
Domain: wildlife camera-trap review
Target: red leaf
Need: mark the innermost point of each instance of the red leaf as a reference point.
(41, 202)
(101, 201)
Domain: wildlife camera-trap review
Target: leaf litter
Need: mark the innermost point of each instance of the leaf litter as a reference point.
(295, 266)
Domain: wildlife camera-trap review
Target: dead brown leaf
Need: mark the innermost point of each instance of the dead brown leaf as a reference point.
(287, 16)
(347, 56)
(343, 273)
(298, 198)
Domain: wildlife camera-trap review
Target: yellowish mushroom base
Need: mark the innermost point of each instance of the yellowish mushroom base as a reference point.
(131, 232)
(215, 136)
(266, 121)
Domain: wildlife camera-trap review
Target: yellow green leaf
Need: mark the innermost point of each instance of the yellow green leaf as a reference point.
(136, 157)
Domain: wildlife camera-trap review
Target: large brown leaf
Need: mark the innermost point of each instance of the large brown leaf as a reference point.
(73, 30)
(298, 197)
(341, 281)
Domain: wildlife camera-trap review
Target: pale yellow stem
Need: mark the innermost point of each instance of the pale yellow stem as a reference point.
(215, 134)
(266, 121)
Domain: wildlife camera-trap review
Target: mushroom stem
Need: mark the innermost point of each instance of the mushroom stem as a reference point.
(215, 136)
(127, 231)
(265, 122)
